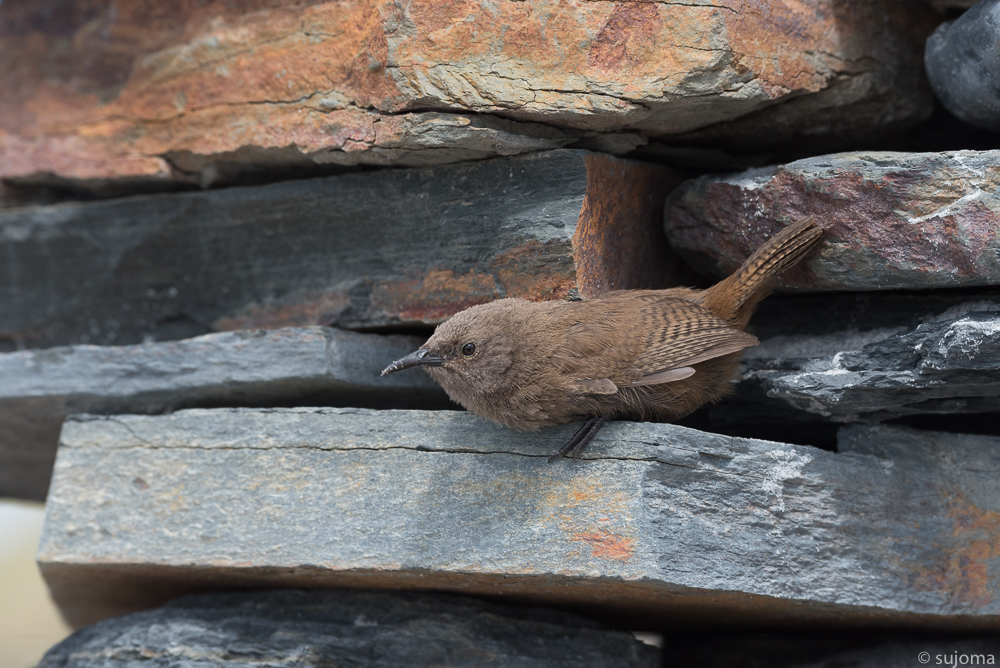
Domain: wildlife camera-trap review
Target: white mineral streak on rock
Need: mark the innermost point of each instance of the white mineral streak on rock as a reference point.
(967, 335)
(952, 208)
(751, 179)
(788, 465)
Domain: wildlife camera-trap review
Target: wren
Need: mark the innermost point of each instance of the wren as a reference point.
(637, 354)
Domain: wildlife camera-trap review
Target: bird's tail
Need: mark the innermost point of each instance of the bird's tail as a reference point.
(735, 298)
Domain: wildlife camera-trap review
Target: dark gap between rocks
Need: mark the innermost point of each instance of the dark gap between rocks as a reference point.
(941, 132)
(415, 329)
(704, 646)
(980, 424)
(826, 313)
(797, 430)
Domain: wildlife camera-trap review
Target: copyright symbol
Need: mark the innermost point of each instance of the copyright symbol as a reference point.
(923, 657)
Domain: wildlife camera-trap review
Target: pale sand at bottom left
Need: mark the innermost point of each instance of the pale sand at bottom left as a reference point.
(29, 621)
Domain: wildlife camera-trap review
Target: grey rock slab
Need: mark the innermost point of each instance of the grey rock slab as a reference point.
(38, 389)
(656, 522)
(892, 220)
(359, 251)
(946, 362)
(347, 628)
(963, 65)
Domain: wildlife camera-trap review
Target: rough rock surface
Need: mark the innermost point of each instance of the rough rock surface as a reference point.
(941, 362)
(347, 628)
(656, 522)
(112, 93)
(313, 366)
(355, 251)
(892, 220)
(963, 65)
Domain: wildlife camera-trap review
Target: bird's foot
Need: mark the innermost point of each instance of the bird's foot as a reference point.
(580, 439)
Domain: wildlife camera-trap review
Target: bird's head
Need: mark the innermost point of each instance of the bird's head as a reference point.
(471, 353)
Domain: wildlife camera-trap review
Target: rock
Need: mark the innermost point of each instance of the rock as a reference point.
(892, 220)
(355, 251)
(313, 365)
(825, 359)
(656, 524)
(347, 628)
(110, 97)
(946, 364)
(819, 324)
(963, 65)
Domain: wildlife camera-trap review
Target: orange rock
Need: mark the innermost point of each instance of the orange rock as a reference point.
(104, 89)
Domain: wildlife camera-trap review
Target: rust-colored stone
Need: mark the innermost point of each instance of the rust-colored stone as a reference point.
(965, 571)
(115, 90)
(434, 296)
(606, 545)
(542, 271)
(892, 220)
(614, 250)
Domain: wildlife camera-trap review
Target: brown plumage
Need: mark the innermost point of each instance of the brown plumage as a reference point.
(641, 354)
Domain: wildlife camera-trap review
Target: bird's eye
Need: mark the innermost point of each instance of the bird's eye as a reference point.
(469, 349)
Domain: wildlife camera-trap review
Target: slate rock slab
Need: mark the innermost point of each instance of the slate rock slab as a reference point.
(347, 628)
(142, 97)
(383, 249)
(309, 365)
(940, 363)
(655, 524)
(892, 220)
(963, 65)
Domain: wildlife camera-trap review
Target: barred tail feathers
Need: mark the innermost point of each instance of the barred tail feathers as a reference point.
(735, 298)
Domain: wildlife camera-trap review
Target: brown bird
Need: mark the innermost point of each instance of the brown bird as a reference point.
(639, 354)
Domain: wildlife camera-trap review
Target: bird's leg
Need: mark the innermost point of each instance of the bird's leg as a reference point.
(577, 437)
(580, 439)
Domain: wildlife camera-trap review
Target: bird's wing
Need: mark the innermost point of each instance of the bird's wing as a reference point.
(647, 340)
(681, 334)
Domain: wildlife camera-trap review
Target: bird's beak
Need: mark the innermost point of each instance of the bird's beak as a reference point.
(422, 357)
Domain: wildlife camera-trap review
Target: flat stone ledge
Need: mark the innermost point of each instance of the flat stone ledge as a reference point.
(348, 628)
(244, 368)
(656, 522)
